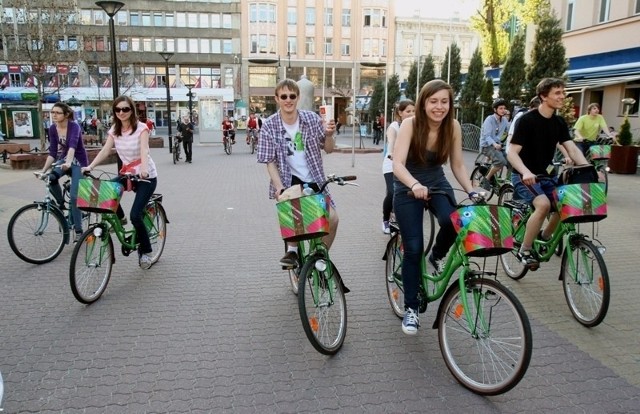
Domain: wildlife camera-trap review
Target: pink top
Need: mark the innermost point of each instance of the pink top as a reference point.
(128, 147)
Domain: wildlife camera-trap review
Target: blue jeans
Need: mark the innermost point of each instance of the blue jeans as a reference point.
(409, 214)
(76, 175)
(143, 191)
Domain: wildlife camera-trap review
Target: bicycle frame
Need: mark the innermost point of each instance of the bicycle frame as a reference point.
(317, 250)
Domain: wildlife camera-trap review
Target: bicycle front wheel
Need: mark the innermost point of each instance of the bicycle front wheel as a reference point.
(227, 146)
(488, 346)
(35, 234)
(393, 275)
(156, 225)
(91, 264)
(585, 281)
(478, 180)
(322, 305)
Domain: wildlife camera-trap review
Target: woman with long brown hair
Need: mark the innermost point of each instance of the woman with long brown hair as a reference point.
(426, 142)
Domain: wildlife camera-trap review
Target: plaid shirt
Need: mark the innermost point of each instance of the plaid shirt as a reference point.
(272, 146)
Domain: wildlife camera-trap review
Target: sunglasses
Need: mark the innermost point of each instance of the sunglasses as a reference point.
(291, 96)
(57, 112)
(124, 109)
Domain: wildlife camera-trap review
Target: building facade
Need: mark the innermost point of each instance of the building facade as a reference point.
(601, 41)
(203, 37)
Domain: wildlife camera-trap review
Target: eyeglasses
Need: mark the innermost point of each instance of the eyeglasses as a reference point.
(124, 109)
(291, 96)
(57, 112)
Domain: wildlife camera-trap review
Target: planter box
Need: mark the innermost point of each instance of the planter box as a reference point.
(157, 142)
(624, 159)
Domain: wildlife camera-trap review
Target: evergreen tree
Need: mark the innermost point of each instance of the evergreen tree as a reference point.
(376, 106)
(513, 75)
(455, 80)
(472, 88)
(393, 95)
(412, 80)
(428, 70)
(548, 54)
(486, 96)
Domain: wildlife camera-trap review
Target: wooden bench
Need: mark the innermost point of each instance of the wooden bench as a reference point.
(20, 161)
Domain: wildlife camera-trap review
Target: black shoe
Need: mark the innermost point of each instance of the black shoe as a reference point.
(289, 260)
(529, 259)
(77, 238)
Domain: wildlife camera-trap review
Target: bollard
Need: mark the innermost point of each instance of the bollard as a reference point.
(170, 144)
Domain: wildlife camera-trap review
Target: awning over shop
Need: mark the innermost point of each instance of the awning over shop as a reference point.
(583, 84)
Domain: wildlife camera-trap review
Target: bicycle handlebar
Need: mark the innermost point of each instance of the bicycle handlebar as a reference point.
(340, 180)
(478, 199)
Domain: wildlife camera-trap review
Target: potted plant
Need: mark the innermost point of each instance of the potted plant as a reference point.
(624, 157)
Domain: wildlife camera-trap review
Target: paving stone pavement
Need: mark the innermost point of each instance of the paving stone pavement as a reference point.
(214, 326)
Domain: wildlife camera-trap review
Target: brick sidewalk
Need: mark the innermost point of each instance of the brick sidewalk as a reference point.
(214, 327)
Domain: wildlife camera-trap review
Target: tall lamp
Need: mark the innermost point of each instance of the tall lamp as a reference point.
(166, 56)
(386, 88)
(111, 8)
(190, 95)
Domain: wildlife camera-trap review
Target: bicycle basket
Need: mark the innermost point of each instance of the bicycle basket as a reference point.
(483, 230)
(304, 218)
(99, 196)
(600, 152)
(581, 203)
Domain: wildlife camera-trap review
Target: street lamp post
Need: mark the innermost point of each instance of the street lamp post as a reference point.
(190, 95)
(166, 56)
(111, 8)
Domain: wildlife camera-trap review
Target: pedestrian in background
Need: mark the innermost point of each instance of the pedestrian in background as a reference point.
(186, 131)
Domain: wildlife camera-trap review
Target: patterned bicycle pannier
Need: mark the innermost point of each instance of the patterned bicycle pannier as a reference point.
(99, 196)
(304, 218)
(483, 230)
(581, 203)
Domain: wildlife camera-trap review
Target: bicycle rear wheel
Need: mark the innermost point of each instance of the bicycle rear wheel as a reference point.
(488, 346)
(478, 180)
(322, 305)
(393, 275)
(36, 235)
(91, 263)
(585, 281)
(156, 224)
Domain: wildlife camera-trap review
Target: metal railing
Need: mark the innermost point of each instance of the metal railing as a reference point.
(470, 137)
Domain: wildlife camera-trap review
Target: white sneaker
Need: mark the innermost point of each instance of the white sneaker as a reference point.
(145, 261)
(385, 227)
(410, 322)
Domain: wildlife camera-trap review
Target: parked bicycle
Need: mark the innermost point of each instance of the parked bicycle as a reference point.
(252, 137)
(176, 149)
(483, 330)
(315, 279)
(584, 275)
(228, 139)
(93, 255)
(39, 231)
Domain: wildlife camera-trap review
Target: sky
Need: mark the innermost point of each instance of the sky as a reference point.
(441, 9)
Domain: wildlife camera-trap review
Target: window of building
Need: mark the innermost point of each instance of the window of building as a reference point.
(216, 20)
(135, 44)
(124, 45)
(328, 16)
(226, 21)
(15, 79)
(169, 20)
(310, 16)
(181, 19)
(159, 44)
(228, 78)
(328, 46)
(146, 19)
(632, 90)
(343, 78)
(367, 17)
(345, 48)
(253, 13)
(366, 47)
(253, 43)
(227, 47)
(8, 15)
(292, 45)
(263, 76)
(604, 11)
(204, 20)
(193, 45)
(88, 44)
(85, 17)
(182, 46)
(72, 43)
(160, 81)
(192, 19)
(346, 18)
(205, 46)
(216, 46)
(309, 48)
(157, 19)
(98, 17)
(121, 18)
(262, 43)
(292, 16)
(171, 45)
(134, 19)
(62, 44)
(147, 45)
(570, 10)
(100, 44)
(637, 6)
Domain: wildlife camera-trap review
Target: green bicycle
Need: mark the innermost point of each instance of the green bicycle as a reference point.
(483, 330)
(478, 180)
(583, 271)
(93, 256)
(321, 292)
